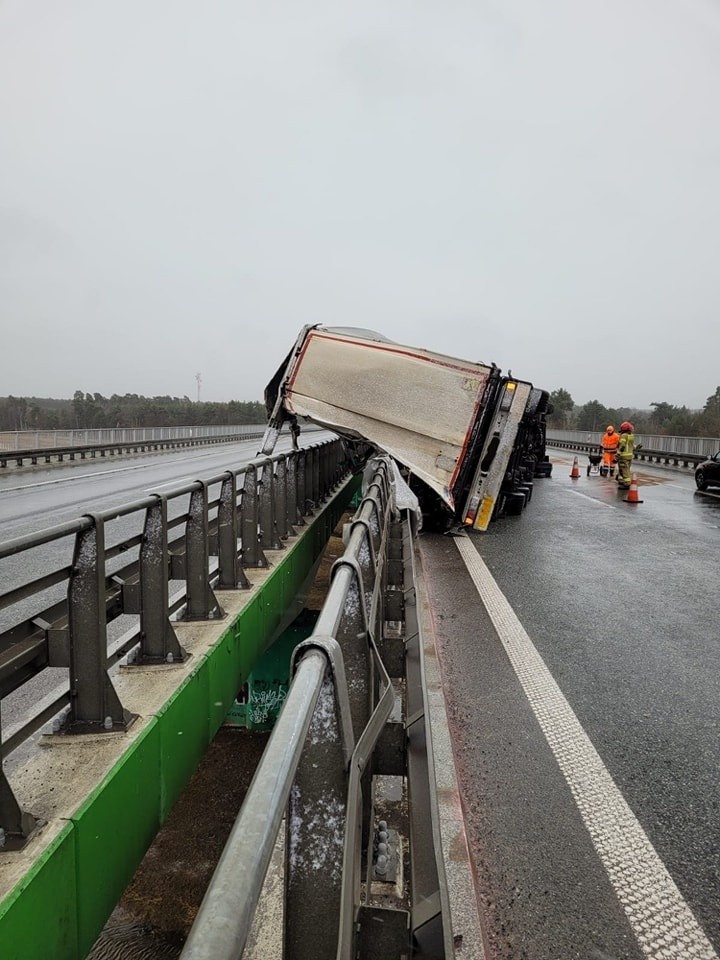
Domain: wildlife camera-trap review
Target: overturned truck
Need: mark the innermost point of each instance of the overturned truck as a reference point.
(470, 439)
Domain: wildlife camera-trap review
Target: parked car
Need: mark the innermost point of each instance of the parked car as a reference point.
(707, 473)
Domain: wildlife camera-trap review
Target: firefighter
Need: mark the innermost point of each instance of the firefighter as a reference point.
(609, 445)
(625, 453)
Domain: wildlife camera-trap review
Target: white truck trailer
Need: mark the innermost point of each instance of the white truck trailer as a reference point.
(470, 438)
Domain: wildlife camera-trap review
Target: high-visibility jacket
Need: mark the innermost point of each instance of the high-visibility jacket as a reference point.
(610, 442)
(626, 446)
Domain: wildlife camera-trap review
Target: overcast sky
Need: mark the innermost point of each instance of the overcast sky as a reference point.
(183, 185)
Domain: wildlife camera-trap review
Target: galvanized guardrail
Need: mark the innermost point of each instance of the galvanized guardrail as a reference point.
(655, 448)
(86, 437)
(344, 892)
(91, 451)
(201, 535)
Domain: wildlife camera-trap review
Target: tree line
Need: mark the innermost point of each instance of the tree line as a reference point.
(662, 418)
(93, 410)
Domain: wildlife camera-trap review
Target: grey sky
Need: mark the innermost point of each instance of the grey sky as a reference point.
(183, 185)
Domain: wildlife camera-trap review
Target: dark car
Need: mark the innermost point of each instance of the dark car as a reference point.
(707, 473)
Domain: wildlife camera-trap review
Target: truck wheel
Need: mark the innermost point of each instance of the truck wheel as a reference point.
(527, 490)
(514, 504)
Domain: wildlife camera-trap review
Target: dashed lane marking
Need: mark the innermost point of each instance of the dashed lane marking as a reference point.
(661, 920)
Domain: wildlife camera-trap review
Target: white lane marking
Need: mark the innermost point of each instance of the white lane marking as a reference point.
(77, 476)
(659, 916)
(601, 503)
(104, 473)
(170, 483)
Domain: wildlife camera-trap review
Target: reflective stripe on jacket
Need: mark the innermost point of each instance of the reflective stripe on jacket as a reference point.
(626, 446)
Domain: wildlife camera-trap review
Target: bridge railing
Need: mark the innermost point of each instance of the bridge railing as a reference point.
(343, 864)
(79, 437)
(90, 444)
(677, 451)
(134, 569)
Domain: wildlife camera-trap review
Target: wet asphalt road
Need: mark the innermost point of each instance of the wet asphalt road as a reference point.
(33, 498)
(620, 602)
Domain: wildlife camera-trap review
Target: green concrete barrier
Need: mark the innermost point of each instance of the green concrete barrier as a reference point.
(78, 867)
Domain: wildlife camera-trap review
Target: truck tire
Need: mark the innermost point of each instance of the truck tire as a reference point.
(514, 504)
(527, 490)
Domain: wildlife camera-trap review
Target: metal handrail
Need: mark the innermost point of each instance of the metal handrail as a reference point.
(665, 457)
(255, 511)
(231, 904)
(223, 922)
(693, 449)
(73, 450)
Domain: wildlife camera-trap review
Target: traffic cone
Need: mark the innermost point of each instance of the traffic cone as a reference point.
(575, 472)
(632, 495)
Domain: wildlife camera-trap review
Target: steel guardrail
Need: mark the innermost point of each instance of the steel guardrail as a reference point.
(663, 457)
(91, 451)
(330, 739)
(225, 524)
(655, 448)
(97, 436)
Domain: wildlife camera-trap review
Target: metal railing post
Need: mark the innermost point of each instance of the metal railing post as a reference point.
(293, 513)
(312, 494)
(231, 572)
(158, 641)
(16, 825)
(252, 554)
(281, 498)
(303, 487)
(269, 538)
(202, 603)
(318, 492)
(94, 704)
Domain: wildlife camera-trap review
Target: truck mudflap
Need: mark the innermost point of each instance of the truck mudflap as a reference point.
(497, 450)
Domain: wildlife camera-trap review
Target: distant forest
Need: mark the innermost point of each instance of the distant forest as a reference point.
(93, 410)
(662, 418)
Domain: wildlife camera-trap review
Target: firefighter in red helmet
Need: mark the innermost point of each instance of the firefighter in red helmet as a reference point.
(625, 453)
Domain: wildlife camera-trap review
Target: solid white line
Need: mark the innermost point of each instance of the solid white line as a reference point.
(659, 916)
(170, 483)
(105, 473)
(77, 476)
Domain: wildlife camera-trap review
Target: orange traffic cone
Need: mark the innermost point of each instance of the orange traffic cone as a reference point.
(632, 496)
(575, 472)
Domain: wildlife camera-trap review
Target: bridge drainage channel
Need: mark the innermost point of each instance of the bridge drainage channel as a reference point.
(158, 908)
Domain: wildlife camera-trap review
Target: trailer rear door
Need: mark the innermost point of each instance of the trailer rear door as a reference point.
(496, 453)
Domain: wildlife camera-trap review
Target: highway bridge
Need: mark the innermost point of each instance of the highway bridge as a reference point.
(531, 714)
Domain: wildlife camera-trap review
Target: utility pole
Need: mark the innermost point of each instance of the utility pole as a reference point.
(198, 378)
